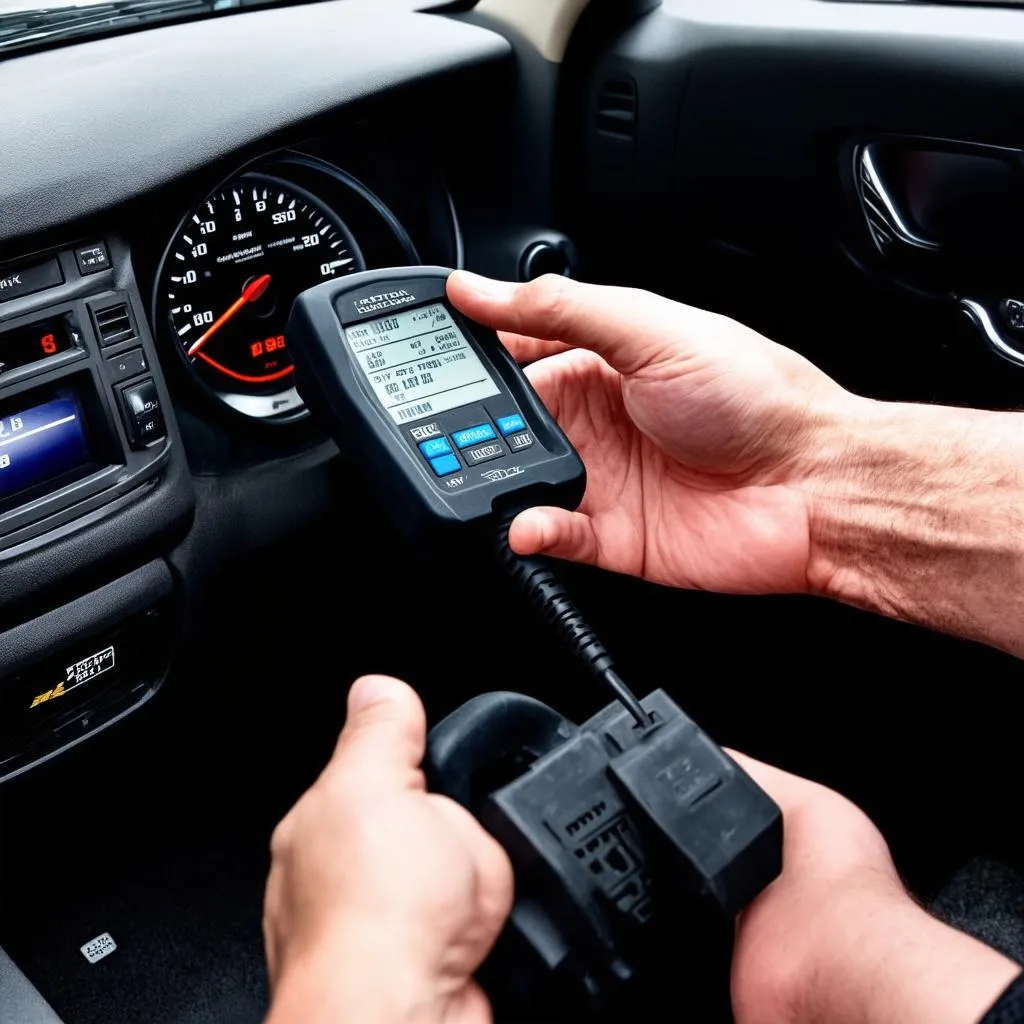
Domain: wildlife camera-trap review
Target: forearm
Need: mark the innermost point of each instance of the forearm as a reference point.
(917, 512)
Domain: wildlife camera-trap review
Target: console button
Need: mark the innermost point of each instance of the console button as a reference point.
(129, 364)
(92, 258)
(484, 453)
(446, 465)
(473, 435)
(435, 447)
(30, 279)
(143, 414)
(510, 424)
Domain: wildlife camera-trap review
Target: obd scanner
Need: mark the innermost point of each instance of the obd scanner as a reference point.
(449, 432)
(627, 833)
(633, 848)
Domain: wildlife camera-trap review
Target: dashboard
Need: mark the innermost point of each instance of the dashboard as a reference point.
(168, 192)
(150, 427)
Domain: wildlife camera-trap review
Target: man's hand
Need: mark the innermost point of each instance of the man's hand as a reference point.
(719, 460)
(836, 938)
(696, 432)
(383, 899)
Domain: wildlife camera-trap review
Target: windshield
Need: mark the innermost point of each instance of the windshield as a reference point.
(29, 23)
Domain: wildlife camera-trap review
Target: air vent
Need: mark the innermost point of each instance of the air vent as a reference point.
(114, 323)
(616, 108)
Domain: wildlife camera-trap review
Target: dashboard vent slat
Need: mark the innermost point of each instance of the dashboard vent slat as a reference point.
(617, 108)
(114, 323)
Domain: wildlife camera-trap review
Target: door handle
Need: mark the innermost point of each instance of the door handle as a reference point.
(888, 226)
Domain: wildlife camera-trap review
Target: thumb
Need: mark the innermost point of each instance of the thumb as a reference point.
(629, 329)
(556, 532)
(385, 732)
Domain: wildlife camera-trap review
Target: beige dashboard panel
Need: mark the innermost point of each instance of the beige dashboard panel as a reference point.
(547, 24)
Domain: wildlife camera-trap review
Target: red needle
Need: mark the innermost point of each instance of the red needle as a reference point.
(250, 293)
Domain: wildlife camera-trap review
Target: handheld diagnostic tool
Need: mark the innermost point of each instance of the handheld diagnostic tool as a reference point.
(450, 430)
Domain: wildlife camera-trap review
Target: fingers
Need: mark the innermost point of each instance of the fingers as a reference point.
(528, 350)
(493, 864)
(385, 733)
(556, 532)
(630, 329)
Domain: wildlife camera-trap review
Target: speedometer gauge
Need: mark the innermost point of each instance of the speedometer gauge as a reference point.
(228, 281)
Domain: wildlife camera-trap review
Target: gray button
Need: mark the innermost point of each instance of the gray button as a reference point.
(130, 364)
(484, 453)
(92, 258)
(30, 279)
(145, 418)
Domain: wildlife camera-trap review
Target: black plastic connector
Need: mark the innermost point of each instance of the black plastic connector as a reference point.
(617, 833)
(718, 833)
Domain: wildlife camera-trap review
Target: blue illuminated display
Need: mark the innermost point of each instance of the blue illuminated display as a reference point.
(41, 443)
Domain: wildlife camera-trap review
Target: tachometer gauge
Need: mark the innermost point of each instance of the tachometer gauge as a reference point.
(228, 281)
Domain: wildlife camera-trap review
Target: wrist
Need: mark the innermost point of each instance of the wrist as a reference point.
(914, 513)
(882, 958)
(366, 978)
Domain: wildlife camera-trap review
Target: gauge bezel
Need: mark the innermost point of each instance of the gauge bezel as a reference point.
(281, 407)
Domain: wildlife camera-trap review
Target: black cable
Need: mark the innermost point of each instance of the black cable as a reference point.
(546, 593)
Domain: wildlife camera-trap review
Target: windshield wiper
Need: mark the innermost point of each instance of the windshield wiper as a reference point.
(27, 28)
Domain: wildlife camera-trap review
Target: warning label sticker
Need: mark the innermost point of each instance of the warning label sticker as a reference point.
(88, 668)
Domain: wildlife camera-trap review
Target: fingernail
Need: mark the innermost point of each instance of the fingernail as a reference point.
(531, 523)
(486, 286)
(369, 690)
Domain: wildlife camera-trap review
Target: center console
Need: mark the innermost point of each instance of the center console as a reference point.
(92, 480)
(82, 405)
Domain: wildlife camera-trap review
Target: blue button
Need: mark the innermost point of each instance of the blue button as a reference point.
(435, 446)
(474, 435)
(446, 465)
(510, 424)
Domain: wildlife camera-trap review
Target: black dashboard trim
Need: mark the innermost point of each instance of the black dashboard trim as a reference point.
(96, 612)
(116, 536)
(211, 88)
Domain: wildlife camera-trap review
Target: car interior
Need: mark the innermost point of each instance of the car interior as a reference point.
(192, 571)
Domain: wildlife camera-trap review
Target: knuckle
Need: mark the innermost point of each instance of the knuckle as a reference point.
(377, 736)
(547, 299)
(377, 719)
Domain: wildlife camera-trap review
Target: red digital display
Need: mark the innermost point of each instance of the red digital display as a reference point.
(268, 346)
(33, 342)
